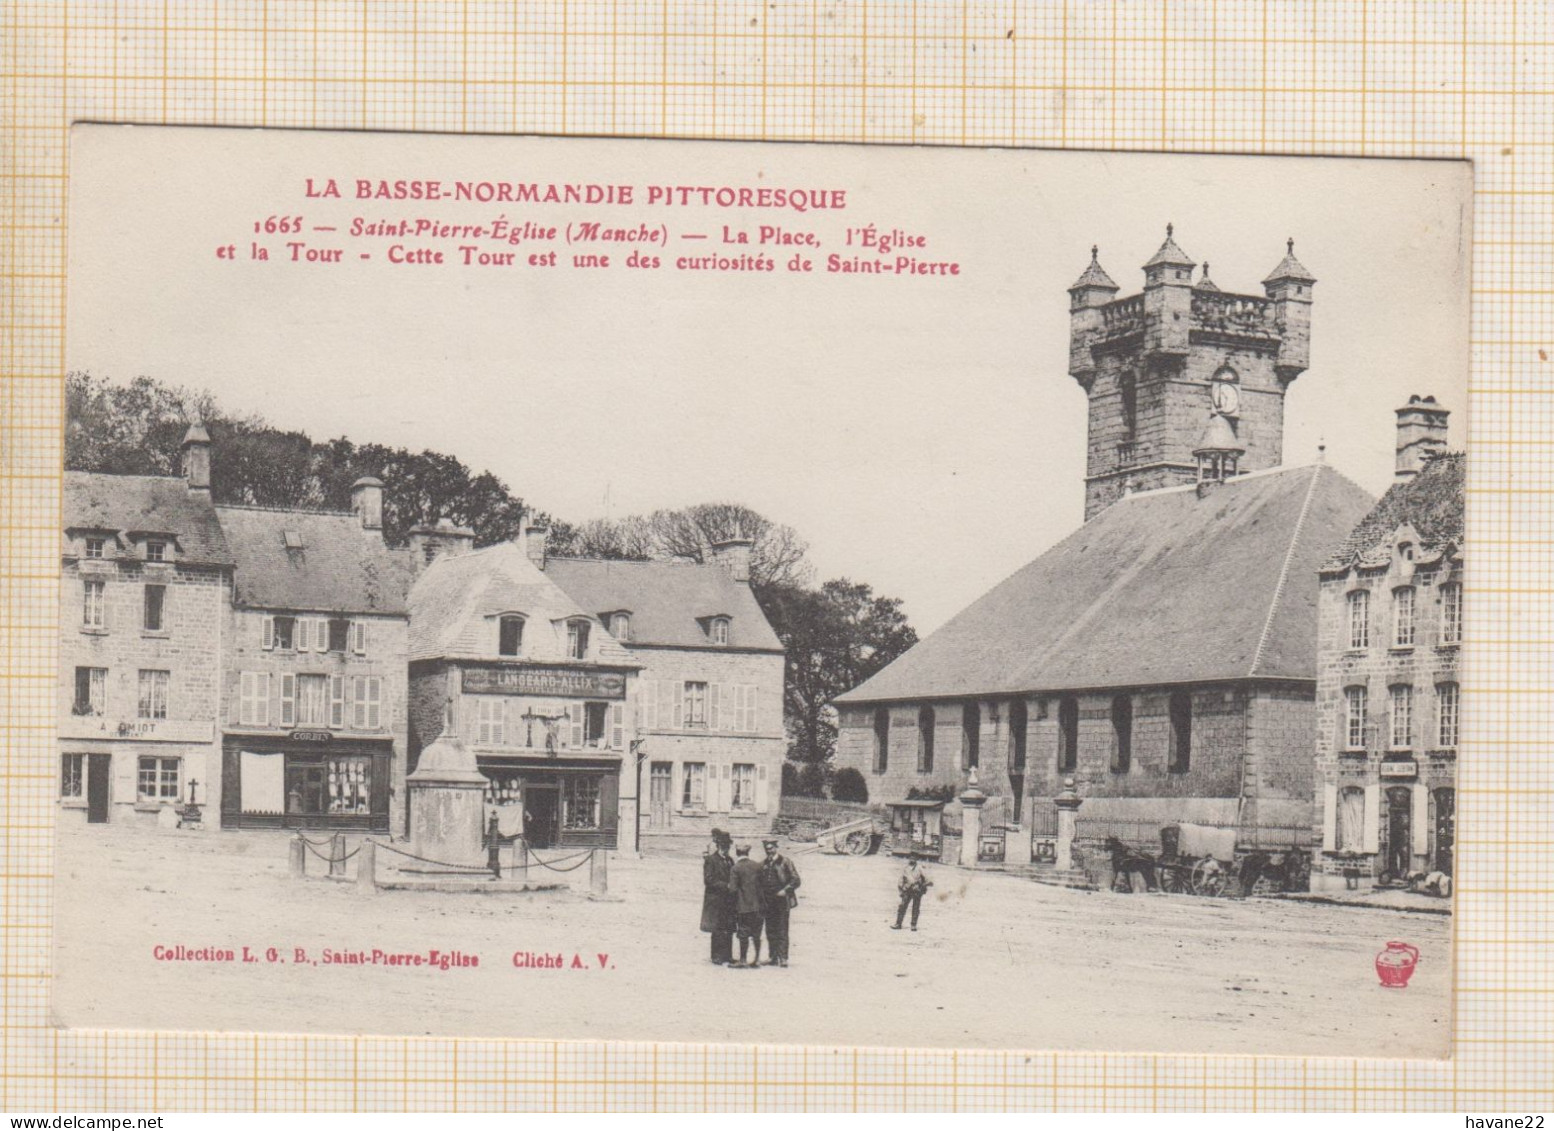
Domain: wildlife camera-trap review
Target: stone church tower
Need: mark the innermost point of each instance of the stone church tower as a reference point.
(1186, 381)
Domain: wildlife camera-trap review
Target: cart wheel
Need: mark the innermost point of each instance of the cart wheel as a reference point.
(857, 843)
(1174, 881)
(1208, 878)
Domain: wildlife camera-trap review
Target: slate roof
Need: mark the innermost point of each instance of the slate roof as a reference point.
(1431, 503)
(1095, 275)
(1162, 587)
(160, 504)
(1169, 254)
(339, 567)
(1290, 268)
(454, 603)
(666, 599)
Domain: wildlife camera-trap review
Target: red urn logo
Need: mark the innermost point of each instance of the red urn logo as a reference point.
(1395, 964)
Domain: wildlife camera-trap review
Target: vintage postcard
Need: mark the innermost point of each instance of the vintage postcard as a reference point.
(511, 583)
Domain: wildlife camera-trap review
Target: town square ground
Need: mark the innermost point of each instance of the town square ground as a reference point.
(998, 961)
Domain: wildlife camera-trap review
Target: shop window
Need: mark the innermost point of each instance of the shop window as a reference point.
(1350, 820)
(970, 736)
(254, 699)
(312, 700)
(1122, 734)
(1359, 619)
(339, 635)
(155, 601)
(580, 801)
(925, 735)
(72, 775)
(742, 800)
(94, 604)
(1446, 714)
(94, 547)
(1068, 734)
(1403, 617)
(695, 704)
(1355, 706)
(693, 794)
(157, 779)
(91, 692)
(1019, 720)
(620, 626)
(1451, 613)
(156, 551)
(152, 703)
(577, 639)
(509, 635)
(490, 719)
(1179, 755)
(349, 783)
(1401, 701)
(881, 740)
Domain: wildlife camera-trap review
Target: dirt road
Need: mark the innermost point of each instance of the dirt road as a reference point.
(999, 962)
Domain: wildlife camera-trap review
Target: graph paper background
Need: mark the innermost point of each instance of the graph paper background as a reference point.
(1387, 77)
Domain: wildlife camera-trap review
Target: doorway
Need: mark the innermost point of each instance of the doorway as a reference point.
(97, 788)
(541, 809)
(1400, 831)
(660, 794)
(305, 789)
(1445, 825)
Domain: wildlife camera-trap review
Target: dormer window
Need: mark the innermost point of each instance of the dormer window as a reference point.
(620, 626)
(717, 630)
(509, 635)
(94, 547)
(1406, 551)
(156, 550)
(577, 640)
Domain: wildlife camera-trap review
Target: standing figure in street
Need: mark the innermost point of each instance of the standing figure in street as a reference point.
(747, 905)
(779, 882)
(717, 900)
(912, 886)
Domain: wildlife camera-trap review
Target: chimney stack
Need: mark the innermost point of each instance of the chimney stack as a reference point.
(1421, 435)
(535, 539)
(196, 456)
(428, 543)
(367, 502)
(733, 554)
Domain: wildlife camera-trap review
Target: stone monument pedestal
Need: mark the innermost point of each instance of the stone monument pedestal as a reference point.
(447, 805)
(971, 802)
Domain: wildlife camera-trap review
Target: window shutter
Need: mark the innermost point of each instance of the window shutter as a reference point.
(679, 705)
(714, 714)
(321, 634)
(618, 726)
(268, 633)
(359, 702)
(648, 697)
(1372, 818)
(666, 694)
(1330, 817)
(359, 637)
(245, 707)
(755, 699)
(576, 711)
(760, 789)
(725, 787)
(262, 695)
(676, 787)
(300, 634)
(1421, 821)
(337, 701)
(288, 700)
(374, 702)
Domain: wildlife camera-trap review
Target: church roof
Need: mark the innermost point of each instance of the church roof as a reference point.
(1431, 503)
(1169, 254)
(1290, 268)
(1095, 275)
(1164, 587)
(668, 601)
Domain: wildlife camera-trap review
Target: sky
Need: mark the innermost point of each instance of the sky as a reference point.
(921, 432)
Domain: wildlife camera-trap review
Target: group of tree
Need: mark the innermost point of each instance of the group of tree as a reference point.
(836, 634)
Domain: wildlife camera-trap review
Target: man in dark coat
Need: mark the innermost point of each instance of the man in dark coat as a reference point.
(717, 901)
(747, 905)
(779, 881)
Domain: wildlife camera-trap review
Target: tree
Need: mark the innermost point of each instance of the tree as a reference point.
(849, 786)
(835, 637)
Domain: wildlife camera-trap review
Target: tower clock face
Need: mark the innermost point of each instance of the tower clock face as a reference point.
(1226, 397)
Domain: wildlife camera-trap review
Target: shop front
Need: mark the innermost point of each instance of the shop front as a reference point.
(555, 802)
(306, 779)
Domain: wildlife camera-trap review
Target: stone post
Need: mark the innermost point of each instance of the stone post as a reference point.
(337, 856)
(1068, 803)
(599, 872)
(971, 821)
(367, 867)
(298, 858)
(521, 860)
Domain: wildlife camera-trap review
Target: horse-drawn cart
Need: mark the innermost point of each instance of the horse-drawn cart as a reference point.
(854, 838)
(1206, 860)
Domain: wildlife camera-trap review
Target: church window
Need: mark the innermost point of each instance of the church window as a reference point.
(925, 727)
(1359, 619)
(1018, 726)
(1403, 617)
(1451, 613)
(1068, 734)
(1179, 756)
(881, 740)
(970, 736)
(1122, 734)
(1354, 718)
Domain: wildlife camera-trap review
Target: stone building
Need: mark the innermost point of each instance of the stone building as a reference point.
(1164, 654)
(315, 695)
(145, 588)
(1388, 698)
(708, 696)
(533, 684)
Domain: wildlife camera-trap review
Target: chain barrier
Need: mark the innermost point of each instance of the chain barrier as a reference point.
(581, 858)
(322, 856)
(455, 869)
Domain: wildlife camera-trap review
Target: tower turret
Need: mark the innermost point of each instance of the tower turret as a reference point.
(1168, 298)
(1093, 290)
(1289, 285)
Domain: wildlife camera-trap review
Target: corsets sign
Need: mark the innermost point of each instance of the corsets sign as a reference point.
(545, 681)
